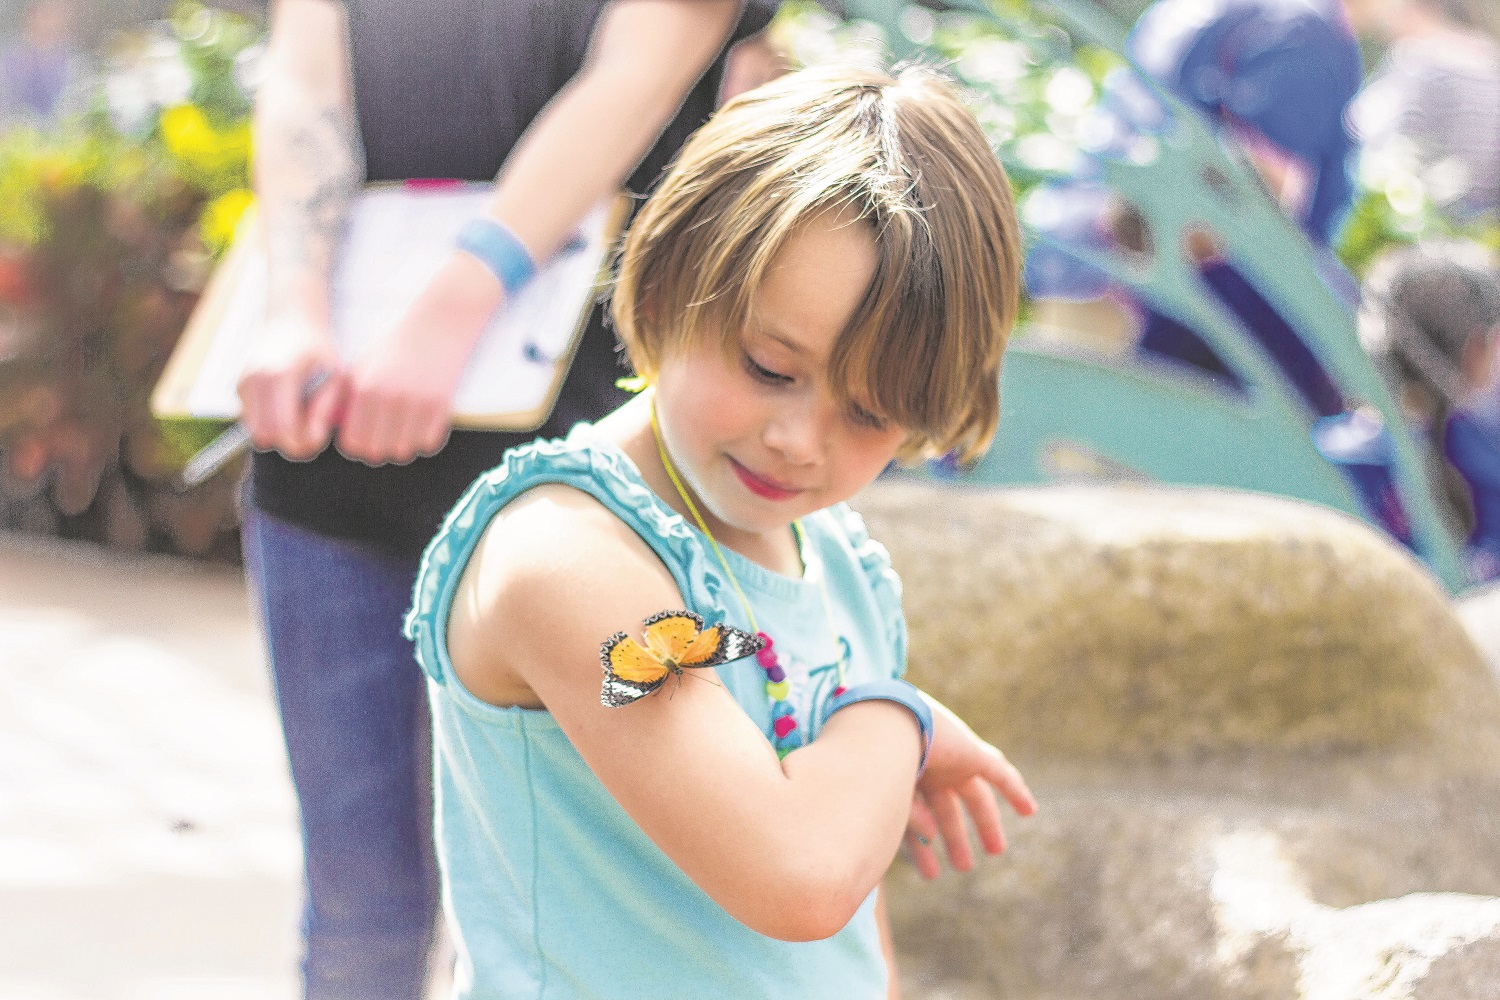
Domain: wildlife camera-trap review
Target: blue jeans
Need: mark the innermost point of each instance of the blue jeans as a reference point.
(358, 735)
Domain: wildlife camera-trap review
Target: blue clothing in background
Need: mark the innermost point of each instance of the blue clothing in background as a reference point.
(1471, 442)
(551, 889)
(39, 86)
(1288, 69)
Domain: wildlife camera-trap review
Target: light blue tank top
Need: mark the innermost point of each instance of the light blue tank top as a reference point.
(551, 890)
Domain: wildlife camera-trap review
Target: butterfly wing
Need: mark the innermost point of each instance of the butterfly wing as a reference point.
(728, 645)
(670, 634)
(630, 671)
(701, 648)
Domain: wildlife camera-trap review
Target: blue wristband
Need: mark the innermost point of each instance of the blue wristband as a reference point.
(902, 693)
(498, 249)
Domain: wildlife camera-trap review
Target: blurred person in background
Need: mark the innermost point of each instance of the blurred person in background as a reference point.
(1274, 79)
(1435, 97)
(565, 102)
(1431, 321)
(42, 70)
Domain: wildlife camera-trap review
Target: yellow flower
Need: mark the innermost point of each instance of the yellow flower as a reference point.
(214, 159)
(221, 217)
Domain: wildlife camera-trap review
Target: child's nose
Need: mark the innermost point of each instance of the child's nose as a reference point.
(799, 432)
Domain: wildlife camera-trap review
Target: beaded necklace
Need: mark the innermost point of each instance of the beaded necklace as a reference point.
(789, 735)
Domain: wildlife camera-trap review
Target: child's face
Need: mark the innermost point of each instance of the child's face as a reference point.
(758, 434)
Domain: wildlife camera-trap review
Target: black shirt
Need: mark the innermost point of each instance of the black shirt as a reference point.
(445, 89)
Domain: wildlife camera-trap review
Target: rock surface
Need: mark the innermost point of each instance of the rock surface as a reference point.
(1268, 752)
(1479, 610)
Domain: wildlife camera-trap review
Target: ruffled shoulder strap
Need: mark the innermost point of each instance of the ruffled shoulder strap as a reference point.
(581, 461)
(885, 584)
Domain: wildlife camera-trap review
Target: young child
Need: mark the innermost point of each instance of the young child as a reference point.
(823, 282)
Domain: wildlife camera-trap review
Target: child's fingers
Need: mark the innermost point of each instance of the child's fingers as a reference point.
(921, 822)
(923, 856)
(950, 818)
(984, 812)
(1008, 781)
(921, 831)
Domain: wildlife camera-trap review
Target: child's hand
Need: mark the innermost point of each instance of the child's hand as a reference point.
(963, 773)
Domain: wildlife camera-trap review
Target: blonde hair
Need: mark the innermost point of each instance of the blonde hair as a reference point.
(901, 153)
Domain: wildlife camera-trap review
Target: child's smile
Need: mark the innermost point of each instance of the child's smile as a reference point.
(761, 486)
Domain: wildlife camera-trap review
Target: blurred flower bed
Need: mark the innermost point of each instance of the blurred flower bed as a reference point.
(109, 225)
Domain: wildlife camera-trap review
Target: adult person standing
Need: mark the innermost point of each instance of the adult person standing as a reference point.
(1437, 89)
(563, 102)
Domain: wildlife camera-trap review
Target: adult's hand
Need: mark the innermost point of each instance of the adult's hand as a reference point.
(400, 395)
(293, 349)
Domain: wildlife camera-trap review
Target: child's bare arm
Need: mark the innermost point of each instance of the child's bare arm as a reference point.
(790, 848)
(963, 774)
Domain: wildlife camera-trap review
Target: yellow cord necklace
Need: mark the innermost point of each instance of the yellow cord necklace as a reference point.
(778, 689)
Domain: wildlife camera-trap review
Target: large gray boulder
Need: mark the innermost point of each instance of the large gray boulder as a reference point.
(1267, 751)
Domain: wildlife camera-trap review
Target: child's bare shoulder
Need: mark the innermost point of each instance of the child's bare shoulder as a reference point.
(556, 562)
(552, 530)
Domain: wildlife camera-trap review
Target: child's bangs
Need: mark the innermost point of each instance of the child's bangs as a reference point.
(903, 358)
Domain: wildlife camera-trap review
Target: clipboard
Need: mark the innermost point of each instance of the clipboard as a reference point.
(397, 237)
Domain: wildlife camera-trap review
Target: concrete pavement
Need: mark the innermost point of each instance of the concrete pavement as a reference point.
(148, 840)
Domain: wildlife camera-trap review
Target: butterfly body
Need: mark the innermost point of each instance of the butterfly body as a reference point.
(673, 641)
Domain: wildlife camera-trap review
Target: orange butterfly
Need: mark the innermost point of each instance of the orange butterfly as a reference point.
(673, 640)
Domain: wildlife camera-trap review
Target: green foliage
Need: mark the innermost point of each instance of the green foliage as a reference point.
(1382, 219)
(35, 166)
(210, 44)
(1032, 89)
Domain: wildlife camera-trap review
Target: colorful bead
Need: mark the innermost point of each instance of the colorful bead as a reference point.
(766, 658)
(839, 690)
(775, 674)
(779, 689)
(765, 639)
(784, 726)
(780, 708)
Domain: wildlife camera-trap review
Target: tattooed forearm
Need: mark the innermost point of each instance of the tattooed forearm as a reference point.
(309, 163)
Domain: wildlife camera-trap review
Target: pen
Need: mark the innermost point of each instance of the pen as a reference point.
(232, 443)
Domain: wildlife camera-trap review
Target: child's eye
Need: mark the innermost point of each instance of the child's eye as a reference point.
(865, 418)
(762, 373)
